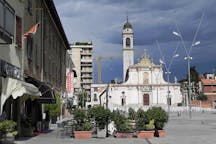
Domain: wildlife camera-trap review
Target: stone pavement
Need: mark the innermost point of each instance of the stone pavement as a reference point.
(50, 138)
(200, 129)
(180, 130)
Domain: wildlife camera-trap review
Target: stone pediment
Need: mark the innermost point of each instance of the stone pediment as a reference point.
(145, 61)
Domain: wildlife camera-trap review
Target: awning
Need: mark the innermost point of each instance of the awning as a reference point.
(16, 88)
(47, 93)
(25, 88)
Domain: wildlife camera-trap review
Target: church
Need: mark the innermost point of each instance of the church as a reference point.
(143, 85)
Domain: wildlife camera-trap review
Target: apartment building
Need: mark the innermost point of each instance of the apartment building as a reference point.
(32, 59)
(83, 61)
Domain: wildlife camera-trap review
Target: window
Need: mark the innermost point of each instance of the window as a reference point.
(1, 15)
(145, 99)
(122, 102)
(29, 48)
(127, 42)
(7, 22)
(30, 7)
(95, 89)
(18, 31)
(95, 97)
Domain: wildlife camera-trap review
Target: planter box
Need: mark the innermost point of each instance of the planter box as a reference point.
(101, 133)
(160, 133)
(124, 135)
(26, 132)
(7, 139)
(145, 134)
(82, 134)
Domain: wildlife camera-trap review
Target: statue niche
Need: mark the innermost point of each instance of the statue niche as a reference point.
(145, 78)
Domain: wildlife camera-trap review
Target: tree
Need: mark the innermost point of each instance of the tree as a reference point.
(54, 109)
(82, 98)
(202, 97)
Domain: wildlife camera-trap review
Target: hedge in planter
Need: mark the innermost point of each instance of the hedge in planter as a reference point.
(144, 125)
(101, 117)
(123, 126)
(161, 118)
(8, 131)
(83, 128)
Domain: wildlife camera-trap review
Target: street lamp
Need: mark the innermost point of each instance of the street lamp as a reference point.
(167, 72)
(188, 58)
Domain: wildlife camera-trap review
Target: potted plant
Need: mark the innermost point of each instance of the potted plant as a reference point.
(101, 117)
(144, 125)
(123, 126)
(83, 128)
(26, 126)
(160, 118)
(8, 131)
(132, 117)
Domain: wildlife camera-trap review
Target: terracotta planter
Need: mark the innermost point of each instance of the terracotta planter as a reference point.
(82, 134)
(124, 135)
(145, 134)
(160, 133)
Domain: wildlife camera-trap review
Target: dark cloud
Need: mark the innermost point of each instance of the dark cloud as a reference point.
(102, 20)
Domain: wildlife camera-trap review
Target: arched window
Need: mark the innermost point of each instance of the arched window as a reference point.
(127, 42)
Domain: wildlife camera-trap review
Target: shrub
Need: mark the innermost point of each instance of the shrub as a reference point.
(81, 119)
(159, 115)
(8, 126)
(142, 119)
(131, 114)
(149, 126)
(87, 126)
(121, 122)
(100, 115)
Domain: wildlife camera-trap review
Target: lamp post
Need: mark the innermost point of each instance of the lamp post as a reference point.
(167, 72)
(188, 58)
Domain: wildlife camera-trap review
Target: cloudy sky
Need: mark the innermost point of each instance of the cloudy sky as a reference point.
(101, 21)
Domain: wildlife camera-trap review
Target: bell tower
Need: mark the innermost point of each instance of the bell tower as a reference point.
(127, 49)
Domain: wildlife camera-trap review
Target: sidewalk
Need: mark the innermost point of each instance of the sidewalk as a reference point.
(50, 138)
(179, 130)
(201, 129)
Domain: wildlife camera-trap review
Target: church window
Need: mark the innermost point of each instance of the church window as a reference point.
(145, 78)
(127, 42)
(95, 97)
(122, 102)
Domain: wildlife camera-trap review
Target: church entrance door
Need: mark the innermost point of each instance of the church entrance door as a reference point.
(146, 99)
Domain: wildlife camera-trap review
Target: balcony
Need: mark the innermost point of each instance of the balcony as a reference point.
(86, 60)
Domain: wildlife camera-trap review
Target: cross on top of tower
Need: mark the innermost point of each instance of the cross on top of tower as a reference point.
(127, 24)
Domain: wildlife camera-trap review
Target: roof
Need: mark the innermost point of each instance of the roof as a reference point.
(208, 82)
(51, 6)
(127, 25)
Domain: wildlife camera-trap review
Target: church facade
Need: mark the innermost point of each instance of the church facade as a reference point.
(143, 86)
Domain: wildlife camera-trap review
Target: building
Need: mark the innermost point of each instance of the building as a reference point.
(208, 87)
(144, 85)
(127, 49)
(83, 61)
(33, 59)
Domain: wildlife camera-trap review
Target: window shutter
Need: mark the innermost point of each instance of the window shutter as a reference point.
(18, 31)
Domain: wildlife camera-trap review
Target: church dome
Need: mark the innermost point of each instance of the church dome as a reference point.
(127, 25)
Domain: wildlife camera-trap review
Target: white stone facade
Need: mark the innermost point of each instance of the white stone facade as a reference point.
(144, 87)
